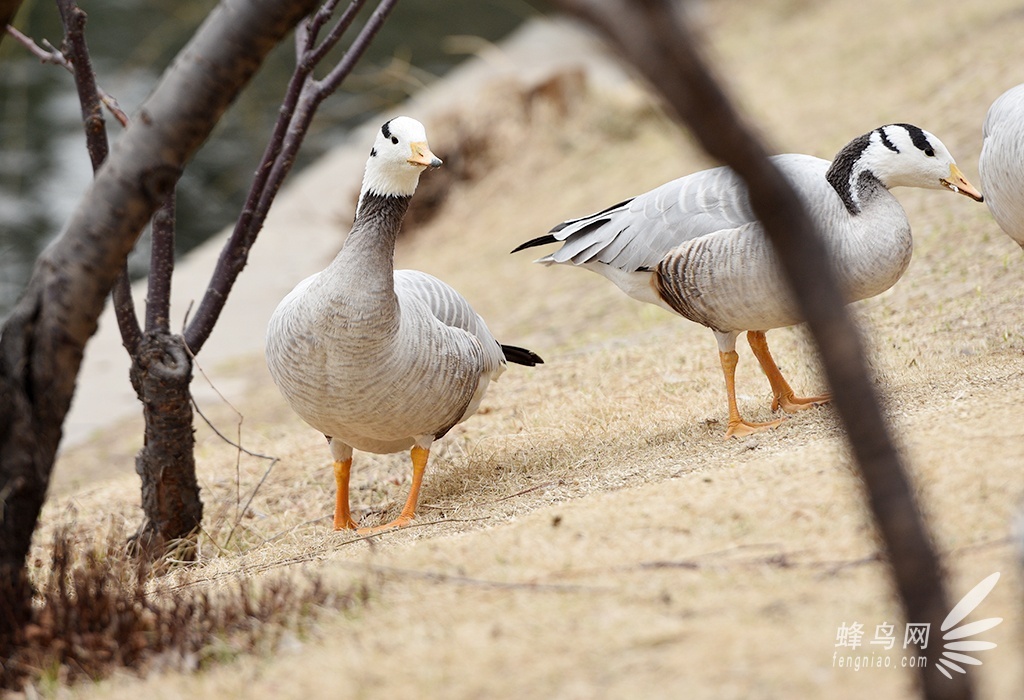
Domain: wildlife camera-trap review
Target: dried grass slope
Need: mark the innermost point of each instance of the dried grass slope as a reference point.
(590, 534)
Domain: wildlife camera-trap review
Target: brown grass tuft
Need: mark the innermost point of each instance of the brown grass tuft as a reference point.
(100, 609)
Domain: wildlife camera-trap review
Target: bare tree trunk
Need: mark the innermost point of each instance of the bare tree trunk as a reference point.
(41, 343)
(161, 374)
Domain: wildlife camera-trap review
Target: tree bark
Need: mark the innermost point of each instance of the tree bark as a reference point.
(42, 342)
(161, 374)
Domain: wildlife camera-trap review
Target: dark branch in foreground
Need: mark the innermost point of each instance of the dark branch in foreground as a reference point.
(652, 34)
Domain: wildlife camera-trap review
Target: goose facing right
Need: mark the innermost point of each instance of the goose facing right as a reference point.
(694, 246)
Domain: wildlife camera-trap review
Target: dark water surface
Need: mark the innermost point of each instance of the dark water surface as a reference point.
(44, 167)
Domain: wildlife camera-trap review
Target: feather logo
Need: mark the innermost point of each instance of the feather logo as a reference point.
(953, 637)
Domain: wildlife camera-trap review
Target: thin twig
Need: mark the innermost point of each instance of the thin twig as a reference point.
(229, 440)
(237, 445)
(430, 523)
(293, 528)
(333, 80)
(556, 482)
(246, 571)
(441, 577)
(54, 56)
(238, 517)
(314, 54)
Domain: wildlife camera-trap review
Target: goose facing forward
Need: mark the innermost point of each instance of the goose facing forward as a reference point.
(378, 359)
(694, 246)
(1001, 164)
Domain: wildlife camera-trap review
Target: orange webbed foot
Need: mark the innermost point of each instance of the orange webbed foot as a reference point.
(794, 404)
(398, 522)
(742, 428)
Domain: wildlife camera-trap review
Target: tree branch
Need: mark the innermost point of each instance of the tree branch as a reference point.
(124, 312)
(78, 61)
(77, 52)
(161, 269)
(307, 50)
(52, 55)
(333, 80)
(42, 341)
(654, 37)
(302, 98)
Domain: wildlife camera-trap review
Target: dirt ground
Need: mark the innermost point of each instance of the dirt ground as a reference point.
(590, 534)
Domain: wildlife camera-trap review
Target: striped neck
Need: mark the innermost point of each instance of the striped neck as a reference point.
(850, 176)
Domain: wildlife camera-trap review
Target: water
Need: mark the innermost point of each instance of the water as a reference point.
(44, 167)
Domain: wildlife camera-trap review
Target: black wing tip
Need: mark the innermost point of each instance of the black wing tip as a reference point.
(539, 240)
(521, 356)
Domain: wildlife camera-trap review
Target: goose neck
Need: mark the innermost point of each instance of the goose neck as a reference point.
(376, 227)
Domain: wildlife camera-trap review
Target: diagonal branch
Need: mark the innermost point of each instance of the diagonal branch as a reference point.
(302, 98)
(90, 97)
(312, 54)
(654, 37)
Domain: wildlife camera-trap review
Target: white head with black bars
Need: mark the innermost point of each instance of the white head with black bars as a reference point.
(897, 155)
(399, 155)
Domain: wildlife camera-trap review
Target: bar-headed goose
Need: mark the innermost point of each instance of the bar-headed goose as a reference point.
(693, 246)
(1001, 164)
(378, 359)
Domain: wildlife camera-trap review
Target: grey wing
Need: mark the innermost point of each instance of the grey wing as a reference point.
(451, 309)
(638, 233)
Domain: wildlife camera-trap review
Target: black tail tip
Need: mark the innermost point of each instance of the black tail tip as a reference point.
(521, 356)
(540, 240)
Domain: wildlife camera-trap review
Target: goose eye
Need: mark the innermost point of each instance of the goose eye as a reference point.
(394, 139)
(929, 152)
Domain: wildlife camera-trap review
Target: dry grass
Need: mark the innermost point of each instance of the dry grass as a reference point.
(590, 534)
(99, 610)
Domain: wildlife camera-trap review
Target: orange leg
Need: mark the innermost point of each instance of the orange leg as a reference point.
(782, 393)
(342, 515)
(419, 464)
(737, 426)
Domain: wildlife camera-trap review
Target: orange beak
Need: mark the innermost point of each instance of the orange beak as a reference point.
(958, 183)
(421, 155)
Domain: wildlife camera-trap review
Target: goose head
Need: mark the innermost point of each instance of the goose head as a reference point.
(897, 155)
(399, 154)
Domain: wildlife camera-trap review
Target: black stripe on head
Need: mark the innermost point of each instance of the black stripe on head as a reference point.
(386, 129)
(886, 142)
(373, 152)
(919, 138)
